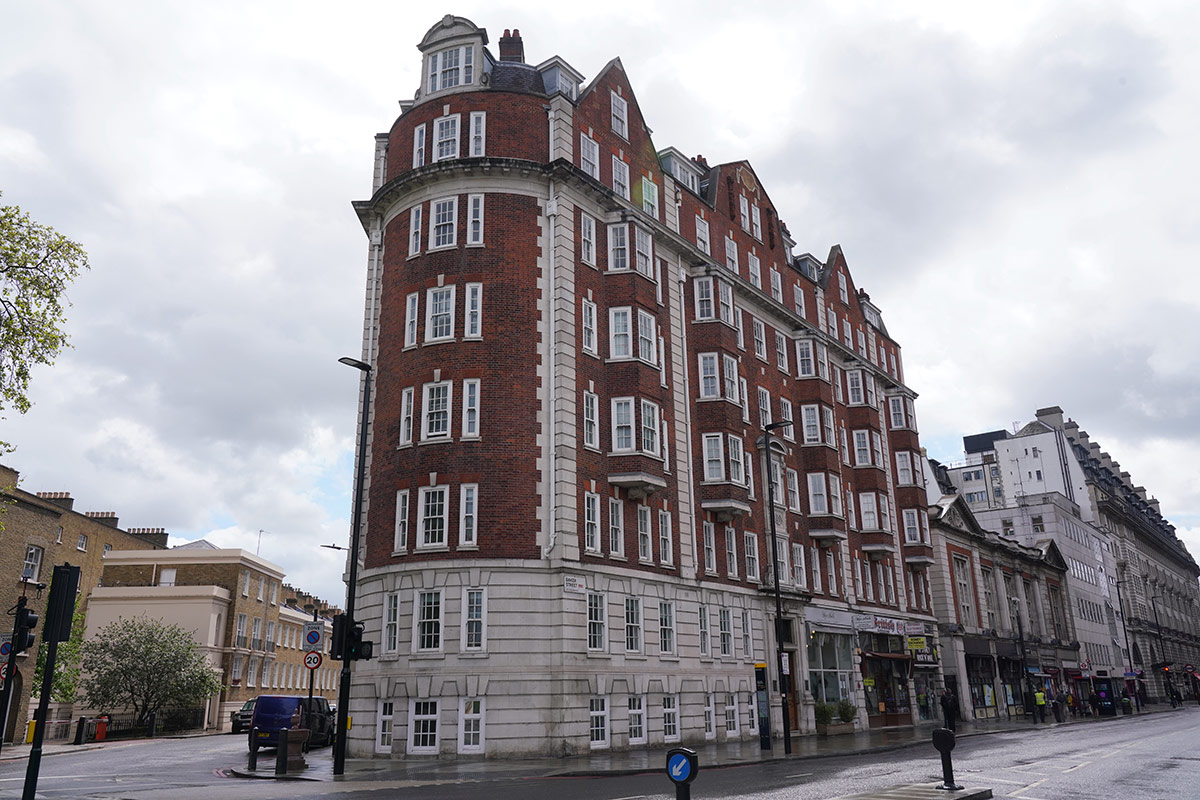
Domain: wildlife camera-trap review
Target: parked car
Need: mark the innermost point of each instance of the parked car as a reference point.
(240, 719)
(273, 712)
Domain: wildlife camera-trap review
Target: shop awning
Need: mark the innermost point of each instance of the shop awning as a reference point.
(1074, 673)
(894, 656)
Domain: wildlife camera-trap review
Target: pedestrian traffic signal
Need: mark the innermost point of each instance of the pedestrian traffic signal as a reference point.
(26, 621)
(356, 647)
(337, 641)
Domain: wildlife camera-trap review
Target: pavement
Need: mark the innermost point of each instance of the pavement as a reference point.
(611, 763)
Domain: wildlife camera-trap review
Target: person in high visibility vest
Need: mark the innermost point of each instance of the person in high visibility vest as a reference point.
(1039, 700)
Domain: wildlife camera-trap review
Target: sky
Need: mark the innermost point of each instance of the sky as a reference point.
(1013, 184)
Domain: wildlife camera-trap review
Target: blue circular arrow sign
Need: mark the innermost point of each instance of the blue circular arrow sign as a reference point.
(682, 765)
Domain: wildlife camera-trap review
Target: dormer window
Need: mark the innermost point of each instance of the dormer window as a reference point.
(452, 67)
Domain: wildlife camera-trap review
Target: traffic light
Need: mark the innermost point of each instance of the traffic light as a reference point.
(26, 621)
(356, 647)
(337, 642)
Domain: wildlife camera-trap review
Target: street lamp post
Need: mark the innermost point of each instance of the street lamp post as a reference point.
(339, 744)
(1163, 651)
(1026, 685)
(779, 624)
(1128, 645)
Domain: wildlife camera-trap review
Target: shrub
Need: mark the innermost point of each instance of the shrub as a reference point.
(823, 713)
(846, 710)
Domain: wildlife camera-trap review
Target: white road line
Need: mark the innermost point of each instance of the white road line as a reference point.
(986, 778)
(1077, 766)
(1022, 790)
(799, 775)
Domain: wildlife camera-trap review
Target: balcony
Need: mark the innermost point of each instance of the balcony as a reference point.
(638, 484)
(826, 535)
(878, 542)
(239, 640)
(917, 553)
(726, 508)
(256, 644)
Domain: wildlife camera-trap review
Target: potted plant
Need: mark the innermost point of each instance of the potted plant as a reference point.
(825, 713)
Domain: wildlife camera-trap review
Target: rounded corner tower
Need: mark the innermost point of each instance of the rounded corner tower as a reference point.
(564, 549)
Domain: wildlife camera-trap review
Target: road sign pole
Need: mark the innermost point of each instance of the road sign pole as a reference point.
(312, 673)
(10, 669)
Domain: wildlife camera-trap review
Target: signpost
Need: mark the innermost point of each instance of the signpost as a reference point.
(314, 635)
(762, 706)
(682, 766)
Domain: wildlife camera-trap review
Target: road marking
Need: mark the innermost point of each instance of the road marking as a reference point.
(997, 780)
(1022, 790)
(1077, 766)
(799, 775)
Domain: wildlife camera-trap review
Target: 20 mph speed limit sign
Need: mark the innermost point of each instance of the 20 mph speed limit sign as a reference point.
(312, 659)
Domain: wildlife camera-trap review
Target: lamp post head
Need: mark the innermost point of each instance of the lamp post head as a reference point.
(354, 362)
(774, 426)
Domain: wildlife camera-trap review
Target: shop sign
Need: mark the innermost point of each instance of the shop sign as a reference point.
(926, 656)
(878, 624)
(828, 616)
(915, 643)
(914, 628)
(868, 682)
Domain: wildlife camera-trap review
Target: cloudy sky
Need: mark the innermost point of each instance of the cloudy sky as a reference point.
(1015, 187)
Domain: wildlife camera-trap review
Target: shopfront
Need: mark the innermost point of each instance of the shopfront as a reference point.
(887, 667)
(1008, 668)
(981, 676)
(925, 681)
(830, 654)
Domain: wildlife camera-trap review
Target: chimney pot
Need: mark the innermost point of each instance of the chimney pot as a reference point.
(511, 47)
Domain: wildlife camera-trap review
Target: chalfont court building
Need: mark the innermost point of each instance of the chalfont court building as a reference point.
(578, 338)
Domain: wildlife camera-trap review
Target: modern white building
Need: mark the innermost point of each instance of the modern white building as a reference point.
(1049, 480)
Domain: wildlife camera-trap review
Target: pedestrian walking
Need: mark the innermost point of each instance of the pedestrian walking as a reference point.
(949, 709)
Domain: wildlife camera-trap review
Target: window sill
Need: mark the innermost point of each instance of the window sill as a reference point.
(598, 654)
(473, 654)
(594, 354)
(438, 440)
(472, 438)
(444, 340)
(442, 247)
(467, 547)
(427, 656)
(436, 548)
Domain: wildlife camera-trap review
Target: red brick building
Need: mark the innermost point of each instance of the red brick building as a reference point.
(579, 338)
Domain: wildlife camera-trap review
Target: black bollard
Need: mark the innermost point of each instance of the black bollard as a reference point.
(153, 724)
(81, 731)
(682, 766)
(253, 765)
(281, 752)
(943, 740)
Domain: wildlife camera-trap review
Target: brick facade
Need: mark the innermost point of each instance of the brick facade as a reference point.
(44, 530)
(568, 540)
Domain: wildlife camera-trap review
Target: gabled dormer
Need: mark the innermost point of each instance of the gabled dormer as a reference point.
(559, 76)
(453, 58)
(686, 171)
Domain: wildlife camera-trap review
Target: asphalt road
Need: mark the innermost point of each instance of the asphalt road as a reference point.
(1150, 758)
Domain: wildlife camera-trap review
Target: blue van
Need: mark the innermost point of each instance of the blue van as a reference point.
(274, 711)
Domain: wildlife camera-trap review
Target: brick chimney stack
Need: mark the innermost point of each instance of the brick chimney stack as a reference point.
(108, 518)
(60, 499)
(511, 48)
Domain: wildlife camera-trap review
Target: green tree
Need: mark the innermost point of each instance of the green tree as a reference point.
(67, 664)
(36, 265)
(145, 665)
